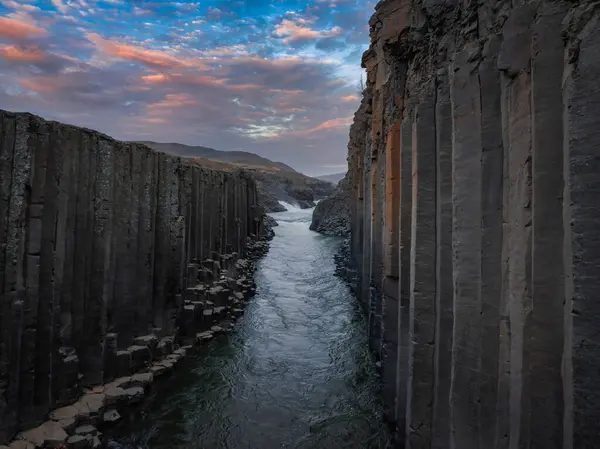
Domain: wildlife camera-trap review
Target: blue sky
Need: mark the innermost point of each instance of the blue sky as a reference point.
(278, 78)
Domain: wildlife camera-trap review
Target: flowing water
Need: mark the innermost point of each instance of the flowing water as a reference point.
(295, 372)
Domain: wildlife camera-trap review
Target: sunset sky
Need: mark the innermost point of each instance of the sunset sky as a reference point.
(278, 78)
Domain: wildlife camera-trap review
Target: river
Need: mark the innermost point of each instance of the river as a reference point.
(295, 372)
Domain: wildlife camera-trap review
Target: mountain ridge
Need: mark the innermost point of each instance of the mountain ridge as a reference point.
(333, 178)
(276, 181)
(240, 158)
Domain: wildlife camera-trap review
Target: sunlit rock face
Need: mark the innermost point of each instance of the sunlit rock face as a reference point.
(475, 207)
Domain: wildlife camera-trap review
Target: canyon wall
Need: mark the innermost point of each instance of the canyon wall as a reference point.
(332, 214)
(475, 166)
(97, 241)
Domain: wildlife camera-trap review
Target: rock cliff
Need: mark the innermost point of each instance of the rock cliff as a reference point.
(332, 215)
(474, 163)
(101, 243)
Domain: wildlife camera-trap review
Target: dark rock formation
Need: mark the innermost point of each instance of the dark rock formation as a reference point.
(97, 237)
(291, 187)
(276, 181)
(474, 162)
(332, 215)
(334, 178)
(269, 201)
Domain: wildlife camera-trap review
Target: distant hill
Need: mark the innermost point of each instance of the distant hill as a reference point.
(276, 181)
(334, 178)
(240, 158)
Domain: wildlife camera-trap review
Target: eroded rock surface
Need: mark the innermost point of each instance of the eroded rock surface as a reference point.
(474, 164)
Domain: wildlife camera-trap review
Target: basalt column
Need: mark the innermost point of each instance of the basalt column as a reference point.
(490, 232)
(95, 239)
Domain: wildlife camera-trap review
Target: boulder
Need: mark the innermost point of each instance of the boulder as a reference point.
(140, 356)
(48, 434)
(68, 412)
(141, 380)
(115, 395)
(77, 442)
(204, 336)
(151, 341)
(134, 394)
(21, 444)
(111, 416)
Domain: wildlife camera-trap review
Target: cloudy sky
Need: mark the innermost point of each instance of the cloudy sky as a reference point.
(274, 77)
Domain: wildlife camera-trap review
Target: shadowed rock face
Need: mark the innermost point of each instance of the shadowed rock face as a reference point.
(475, 216)
(96, 238)
(332, 215)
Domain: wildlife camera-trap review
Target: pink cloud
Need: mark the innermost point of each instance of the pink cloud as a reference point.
(41, 84)
(349, 98)
(24, 54)
(156, 78)
(330, 124)
(17, 29)
(138, 54)
(299, 30)
(169, 103)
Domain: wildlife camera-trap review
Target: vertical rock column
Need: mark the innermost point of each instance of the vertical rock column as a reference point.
(404, 258)
(544, 334)
(582, 243)
(95, 311)
(444, 294)
(492, 172)
(421, 348)
(514, 61)
(391, 269)
(15, 165)
(466, 235)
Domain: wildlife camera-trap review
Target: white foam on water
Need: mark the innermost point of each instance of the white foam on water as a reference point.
(289, 207)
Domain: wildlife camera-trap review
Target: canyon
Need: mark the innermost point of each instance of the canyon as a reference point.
(114, 260)
(466, 231)
(474, 165)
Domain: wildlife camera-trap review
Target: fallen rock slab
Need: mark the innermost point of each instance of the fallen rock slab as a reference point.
(111, 416)
(21, 444)
(48, 434)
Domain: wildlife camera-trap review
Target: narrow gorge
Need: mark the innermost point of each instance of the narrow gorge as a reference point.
(441, 298)
(475, 171)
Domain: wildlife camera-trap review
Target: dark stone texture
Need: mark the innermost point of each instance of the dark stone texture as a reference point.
(496, 221)
(95, 240)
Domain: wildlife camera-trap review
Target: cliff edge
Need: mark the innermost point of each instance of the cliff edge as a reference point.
(474, 169)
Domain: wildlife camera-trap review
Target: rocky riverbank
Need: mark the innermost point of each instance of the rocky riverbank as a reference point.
(214, 300)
